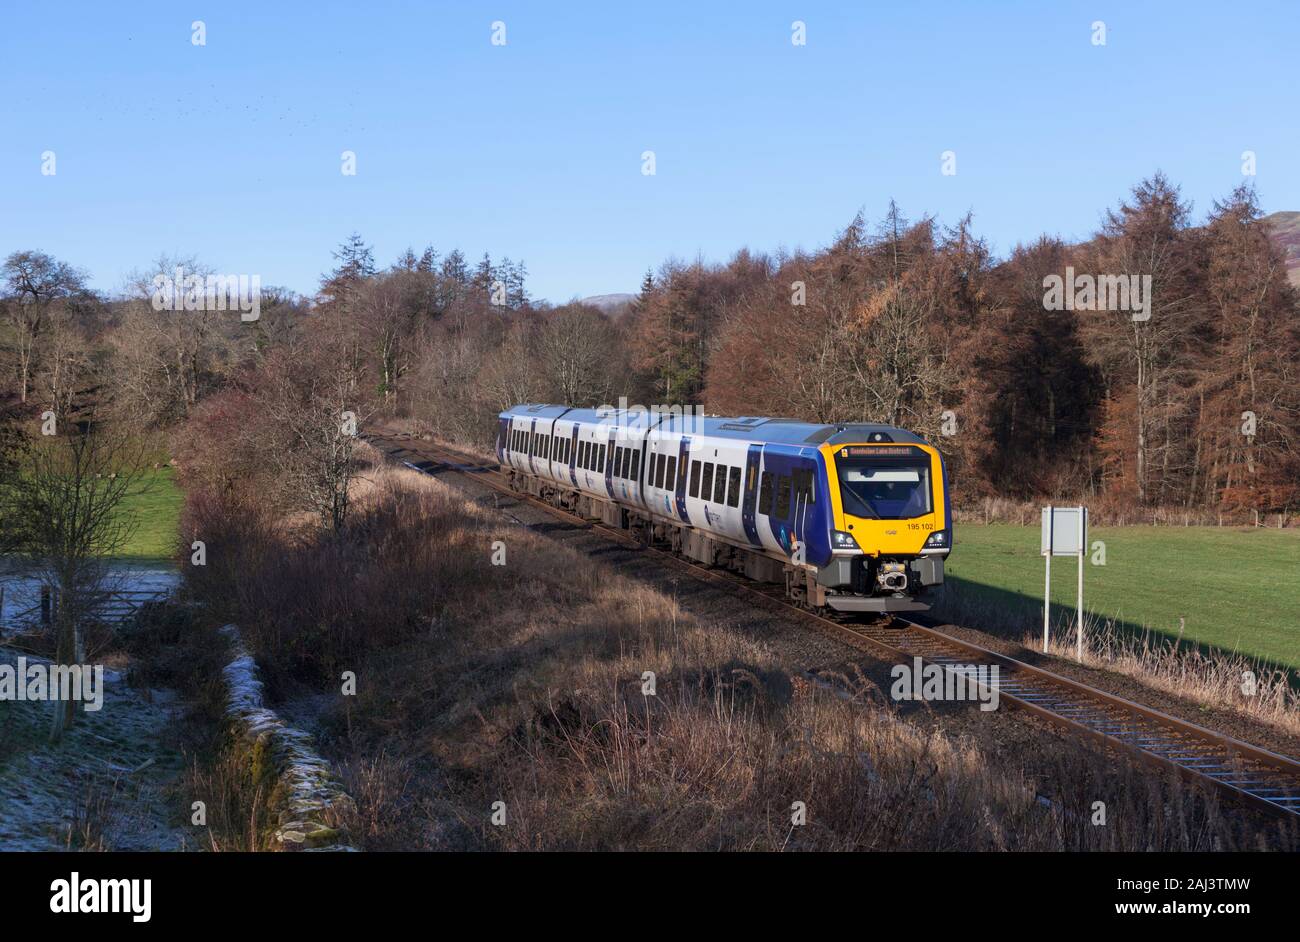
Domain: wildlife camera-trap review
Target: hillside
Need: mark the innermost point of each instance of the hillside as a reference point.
(611, 304)
(1286, 232)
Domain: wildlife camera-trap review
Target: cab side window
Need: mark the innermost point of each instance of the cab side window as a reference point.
(783, 497)
(803, 485)
(765, 493)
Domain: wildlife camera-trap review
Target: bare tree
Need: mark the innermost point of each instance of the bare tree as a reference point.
(577, 348)
(311, 397)
(34, 282)
(165, 361)
(67, 502)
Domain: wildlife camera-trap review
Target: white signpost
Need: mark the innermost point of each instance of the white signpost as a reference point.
(1065, 533)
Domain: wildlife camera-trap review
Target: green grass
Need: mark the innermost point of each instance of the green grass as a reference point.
(1235, 589)
(154, 505)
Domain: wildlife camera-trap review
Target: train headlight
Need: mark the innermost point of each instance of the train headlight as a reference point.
(938, 539)
(843, 541)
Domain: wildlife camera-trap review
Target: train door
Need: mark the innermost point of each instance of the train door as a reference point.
(503, 439)
(679, 487)
(573, 451)
(753, 461)
(610, 447)
(785, 497)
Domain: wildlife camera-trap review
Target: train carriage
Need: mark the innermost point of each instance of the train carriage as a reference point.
(851, 517)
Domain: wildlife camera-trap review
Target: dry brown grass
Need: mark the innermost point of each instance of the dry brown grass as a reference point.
(522, 684)
(1210, 679)
(1112, 511)
(93, 813)
(237, 816)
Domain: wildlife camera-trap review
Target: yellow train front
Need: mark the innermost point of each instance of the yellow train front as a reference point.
(891, 524)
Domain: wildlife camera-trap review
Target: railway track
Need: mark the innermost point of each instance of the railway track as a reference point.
(1238, 771)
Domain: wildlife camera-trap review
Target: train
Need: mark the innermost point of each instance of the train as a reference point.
(850, 517)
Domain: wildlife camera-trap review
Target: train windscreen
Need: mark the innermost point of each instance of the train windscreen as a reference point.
(885, 488)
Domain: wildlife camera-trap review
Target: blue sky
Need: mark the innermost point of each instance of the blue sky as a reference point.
(231, 151)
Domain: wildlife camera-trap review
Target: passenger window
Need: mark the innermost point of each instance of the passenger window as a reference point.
(809, 489)
(670, 481)
(782, 497)
(733, 487)
(661, 465)
(618, 461)
(695, 479)
(603, 463)
(706, 482)
(765, 494)
(626, 466)
(720, 485)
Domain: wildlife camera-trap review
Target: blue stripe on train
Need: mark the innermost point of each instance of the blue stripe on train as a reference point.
(683, 459)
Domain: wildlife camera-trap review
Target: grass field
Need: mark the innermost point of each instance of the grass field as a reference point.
(155, 506)
(1235, 589)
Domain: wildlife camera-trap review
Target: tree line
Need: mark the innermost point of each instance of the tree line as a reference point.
(1182, 394)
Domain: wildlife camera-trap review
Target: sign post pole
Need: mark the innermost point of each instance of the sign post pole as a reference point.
(1083, 546)
(1047, 588)
(1068, 539)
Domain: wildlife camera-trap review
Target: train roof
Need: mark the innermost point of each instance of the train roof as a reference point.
(751, 428)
